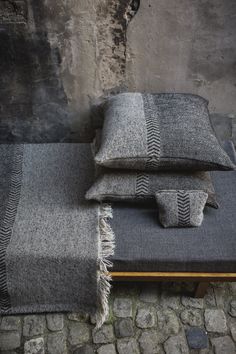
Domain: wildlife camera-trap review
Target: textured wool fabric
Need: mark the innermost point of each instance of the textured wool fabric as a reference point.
(148, 247)
(181, 208)
(50, 240)
(160, 132)
(118, 185)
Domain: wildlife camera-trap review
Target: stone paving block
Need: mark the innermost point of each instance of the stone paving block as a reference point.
(103, 335)
(176, 345)
(149, 342)
(220, 296)
(76, 316)
(192, 302)
(55, 322)
(79, 333)
(34, 325)
(223, 345)
(168, 322)
(122, 307)
(192, 317)
(85, 349)
(232, 326)
(232, 310)
(232, 287)
(215, 321)
(209, 298)
(107, 349)
(171, 301)
(10, 323)
(146, 317)
(9, 340)
(124, 328)
(196, 338)
(56, 343)
(125, 346)
(34, 346)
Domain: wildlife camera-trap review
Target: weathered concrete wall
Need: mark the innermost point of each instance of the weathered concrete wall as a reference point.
(58, 57)
(185, 46)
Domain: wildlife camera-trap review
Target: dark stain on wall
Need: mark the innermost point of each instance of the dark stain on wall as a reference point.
(33, 104)
(124, 12)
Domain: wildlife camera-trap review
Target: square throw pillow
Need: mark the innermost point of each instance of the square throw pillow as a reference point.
(181, 208)
(160, 132)
(118, 185)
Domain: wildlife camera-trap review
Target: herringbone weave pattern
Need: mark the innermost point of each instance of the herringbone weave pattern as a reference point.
(7, 224)
(153, 133)
(142, 185)
(183, 202)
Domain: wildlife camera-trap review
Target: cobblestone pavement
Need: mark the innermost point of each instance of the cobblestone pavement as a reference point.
(144, 319)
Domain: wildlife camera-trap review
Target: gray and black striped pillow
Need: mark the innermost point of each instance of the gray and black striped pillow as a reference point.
(118, 185)
(181, 208)
(159, 132)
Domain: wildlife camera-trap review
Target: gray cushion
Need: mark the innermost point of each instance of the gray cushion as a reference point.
(143, 245)
(159, 131)
(136, 186)
(181, 208)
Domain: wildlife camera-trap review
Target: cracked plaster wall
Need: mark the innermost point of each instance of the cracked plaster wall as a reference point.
(185, 46)
(56, 59)
(59, 57)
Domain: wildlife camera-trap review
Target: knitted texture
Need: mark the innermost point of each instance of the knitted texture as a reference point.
(160, 132)
(54, 245)
(181, 208)
(118, 185)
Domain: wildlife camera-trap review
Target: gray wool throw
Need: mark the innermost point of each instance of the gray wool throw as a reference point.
(54, 245)
(167, 131)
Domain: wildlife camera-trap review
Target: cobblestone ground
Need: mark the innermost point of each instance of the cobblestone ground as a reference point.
(144, 318)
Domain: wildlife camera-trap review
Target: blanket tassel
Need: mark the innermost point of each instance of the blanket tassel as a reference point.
(106, 249)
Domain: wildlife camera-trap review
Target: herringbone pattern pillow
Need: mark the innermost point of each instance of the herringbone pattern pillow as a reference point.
(181, 208)
(160, 132)
(118, 185)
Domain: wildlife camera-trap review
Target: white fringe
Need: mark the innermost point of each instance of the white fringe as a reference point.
(105, 250)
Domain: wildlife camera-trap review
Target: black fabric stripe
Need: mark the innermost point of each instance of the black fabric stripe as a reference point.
(142, 185)
(7, 224)
(183, 202)
(153, 133)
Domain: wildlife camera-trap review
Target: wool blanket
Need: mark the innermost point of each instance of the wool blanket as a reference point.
(54, 245)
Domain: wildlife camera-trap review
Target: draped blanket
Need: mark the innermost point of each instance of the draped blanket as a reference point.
(54, 245)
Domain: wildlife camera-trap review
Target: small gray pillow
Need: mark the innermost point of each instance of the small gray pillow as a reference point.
(117, 185)
(160, 132)
(181, 208)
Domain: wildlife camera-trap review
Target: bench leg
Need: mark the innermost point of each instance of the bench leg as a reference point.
(201, 289)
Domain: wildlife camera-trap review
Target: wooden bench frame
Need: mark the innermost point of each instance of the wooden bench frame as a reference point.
(202, 279)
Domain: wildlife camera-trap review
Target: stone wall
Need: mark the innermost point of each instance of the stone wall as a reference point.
(59, 57)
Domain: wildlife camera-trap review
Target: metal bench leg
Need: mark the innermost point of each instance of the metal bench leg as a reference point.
(201, 289)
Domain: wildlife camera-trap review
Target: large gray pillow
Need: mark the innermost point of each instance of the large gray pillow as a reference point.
(160, 132)
(117, 185)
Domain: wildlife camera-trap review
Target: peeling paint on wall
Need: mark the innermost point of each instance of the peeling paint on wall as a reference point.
(57, 58)
(113, 18)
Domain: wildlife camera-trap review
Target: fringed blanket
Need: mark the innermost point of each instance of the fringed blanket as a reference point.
(54, 246)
